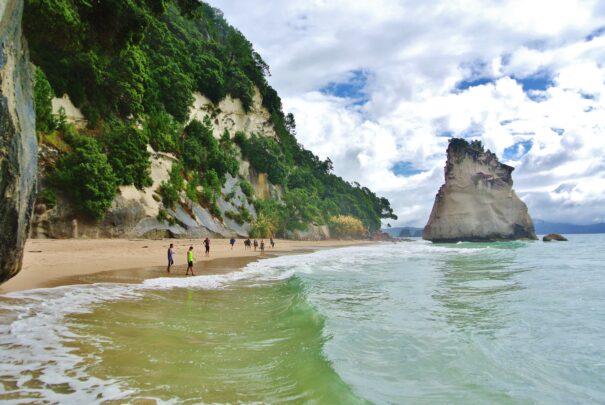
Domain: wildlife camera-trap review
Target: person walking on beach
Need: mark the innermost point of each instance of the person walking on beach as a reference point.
(170, 258)
(232, 242)
(190, 260)
(262, 246)
(255, 244)
(247, 244)
(272, 242)
(207, 246)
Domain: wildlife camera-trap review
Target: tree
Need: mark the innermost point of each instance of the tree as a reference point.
(127, 153)
(43, 95)
(86, 176)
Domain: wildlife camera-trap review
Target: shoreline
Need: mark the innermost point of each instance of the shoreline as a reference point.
(51, 263)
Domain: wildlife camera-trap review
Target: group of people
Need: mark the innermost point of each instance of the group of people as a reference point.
(190, 258)
(248, 244)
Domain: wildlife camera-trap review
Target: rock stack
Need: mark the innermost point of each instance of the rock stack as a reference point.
(477, 202)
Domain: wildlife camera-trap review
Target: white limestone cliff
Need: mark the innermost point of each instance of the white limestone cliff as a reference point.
(477, 201)
(230, 115)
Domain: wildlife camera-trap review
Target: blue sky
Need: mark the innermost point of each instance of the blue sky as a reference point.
(380, 86)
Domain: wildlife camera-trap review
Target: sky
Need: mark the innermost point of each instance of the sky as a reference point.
(380, 86)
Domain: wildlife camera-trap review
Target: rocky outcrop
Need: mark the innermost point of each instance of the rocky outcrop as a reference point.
(477, 202)
(230, 115)
(17, 140)
(64, 107)
(138, 213)
(313, 232)
(554, 236)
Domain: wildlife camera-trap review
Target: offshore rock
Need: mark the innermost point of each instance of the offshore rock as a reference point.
(18, 155)
(477, 202)
(554, 236)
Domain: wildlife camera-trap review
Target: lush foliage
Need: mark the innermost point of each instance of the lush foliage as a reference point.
(48, 197)
(203, 153)
(86, 176)
(126, 148)
(163, 132)
(247, 189)
(263, 226)
(43, 94)
(344, 226)
(265, 155)
(125, 58)
(460, 144)
(137, 62)
(169, 190)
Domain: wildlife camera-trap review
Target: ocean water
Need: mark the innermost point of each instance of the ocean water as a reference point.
(391, 323)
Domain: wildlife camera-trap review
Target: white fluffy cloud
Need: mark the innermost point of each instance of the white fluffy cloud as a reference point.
(526, 77)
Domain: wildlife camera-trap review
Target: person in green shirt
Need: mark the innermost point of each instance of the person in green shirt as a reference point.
(190, 260)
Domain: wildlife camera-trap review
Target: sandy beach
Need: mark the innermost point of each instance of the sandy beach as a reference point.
(53, 262)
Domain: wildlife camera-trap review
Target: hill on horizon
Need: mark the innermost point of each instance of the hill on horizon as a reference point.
(544, 227)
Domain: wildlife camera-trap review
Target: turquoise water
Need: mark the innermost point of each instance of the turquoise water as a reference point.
(411, 322)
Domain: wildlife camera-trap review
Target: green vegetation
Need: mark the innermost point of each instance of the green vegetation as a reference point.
(265, 155)
(344, 226)
(460, 144)
(263, 227)
(240, 217)
(169, 191)
(126, 148)
(247, 189)
(48, 197)
(203, 153)
(163, 132)
(131, 67)
(86, 176)
(43, 95)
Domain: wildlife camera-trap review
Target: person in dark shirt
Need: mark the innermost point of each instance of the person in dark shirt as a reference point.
(207, 246)
(170, 258)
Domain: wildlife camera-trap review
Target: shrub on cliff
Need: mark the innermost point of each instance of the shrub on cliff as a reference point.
(265, 156)
(169, 190)
(263, 227)
(43, 95)
(86, 176)
(163, 132)
(202, 152)
(127, 153)
(344, 226)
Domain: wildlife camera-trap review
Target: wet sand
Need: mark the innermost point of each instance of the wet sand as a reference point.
(51, 262)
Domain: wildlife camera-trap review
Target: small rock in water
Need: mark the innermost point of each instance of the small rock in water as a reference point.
(554, 236)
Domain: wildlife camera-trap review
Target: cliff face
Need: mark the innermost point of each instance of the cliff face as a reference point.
(134, 212)
(477, 202)
(18, 151)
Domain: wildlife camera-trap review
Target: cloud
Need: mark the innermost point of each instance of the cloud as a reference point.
(380, 86)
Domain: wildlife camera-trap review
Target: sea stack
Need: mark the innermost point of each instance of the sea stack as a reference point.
(18, 149)
(477, 202)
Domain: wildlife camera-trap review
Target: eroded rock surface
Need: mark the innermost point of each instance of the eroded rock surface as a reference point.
(18, 150)
(477, 201)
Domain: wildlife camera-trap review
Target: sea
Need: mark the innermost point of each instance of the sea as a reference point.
(389, 323)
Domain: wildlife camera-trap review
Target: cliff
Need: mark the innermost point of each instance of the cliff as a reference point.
(161, 122)
(477, 202)
(17, 140)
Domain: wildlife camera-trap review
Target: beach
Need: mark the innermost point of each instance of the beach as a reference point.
(55, 262)
(381, 323)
